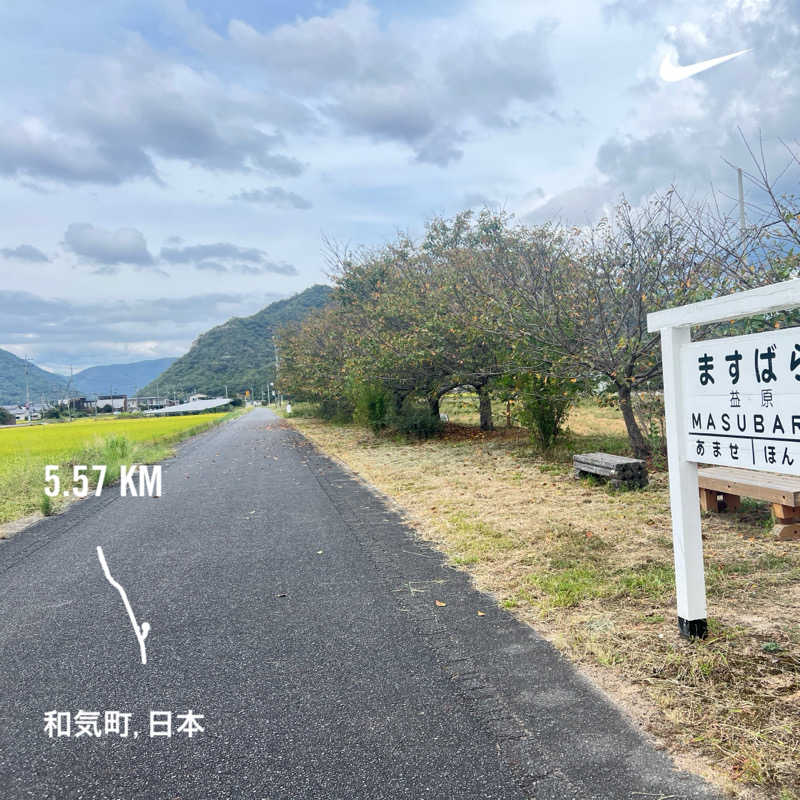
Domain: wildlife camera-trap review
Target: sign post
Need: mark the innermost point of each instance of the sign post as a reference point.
(726, 401)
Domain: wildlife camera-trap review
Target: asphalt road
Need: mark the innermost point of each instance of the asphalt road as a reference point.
(293, 609)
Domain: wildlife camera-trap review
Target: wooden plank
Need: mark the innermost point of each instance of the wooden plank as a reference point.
(776, 297)
(786, 513)
(608, 460)
(783, 489)
(787, 533)
(732, 502)
(708, 500)
(596, 469)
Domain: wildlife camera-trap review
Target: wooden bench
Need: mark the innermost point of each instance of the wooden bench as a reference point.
(619, 470)
(721, 488)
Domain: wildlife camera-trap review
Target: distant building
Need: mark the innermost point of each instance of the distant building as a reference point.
(118, 402)
(194, 397)
(22, 414)
(146, 403)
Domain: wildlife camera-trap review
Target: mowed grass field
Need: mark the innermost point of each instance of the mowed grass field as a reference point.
(25, 451)
(591, 569)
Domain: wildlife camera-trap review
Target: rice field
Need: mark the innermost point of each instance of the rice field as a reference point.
(25, 451)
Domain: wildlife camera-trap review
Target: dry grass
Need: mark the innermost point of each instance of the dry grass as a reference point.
(592, 570)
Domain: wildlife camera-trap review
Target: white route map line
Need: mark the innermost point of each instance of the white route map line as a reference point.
(141, 633)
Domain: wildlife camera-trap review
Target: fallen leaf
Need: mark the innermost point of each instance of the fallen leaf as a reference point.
(440, 604)
(481, 614)
(320, 552)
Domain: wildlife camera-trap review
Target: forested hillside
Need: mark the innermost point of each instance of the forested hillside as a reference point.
(239, 354)
(41, 383)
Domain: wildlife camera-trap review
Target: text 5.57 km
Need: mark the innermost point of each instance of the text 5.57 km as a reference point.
(136, 480)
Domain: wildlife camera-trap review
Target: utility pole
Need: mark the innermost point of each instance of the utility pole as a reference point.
(69, 395)
(278, 398)
(27, 390)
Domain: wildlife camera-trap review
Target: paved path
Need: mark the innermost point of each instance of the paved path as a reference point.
(293, 609)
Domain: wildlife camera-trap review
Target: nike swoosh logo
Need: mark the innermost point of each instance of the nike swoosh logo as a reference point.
(675, 72)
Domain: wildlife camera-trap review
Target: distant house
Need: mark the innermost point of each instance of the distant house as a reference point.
(146, 403)
(118, 402)
(82, 404)
(194, 397)
(22, 414)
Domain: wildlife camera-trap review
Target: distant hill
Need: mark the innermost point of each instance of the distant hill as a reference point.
(238, 354)
(41, 382)
(119, 378)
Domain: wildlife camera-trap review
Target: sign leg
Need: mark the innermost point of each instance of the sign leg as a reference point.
(690, 584)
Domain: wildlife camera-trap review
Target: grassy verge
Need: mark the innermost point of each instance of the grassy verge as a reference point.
(591, 569)
(24, 453)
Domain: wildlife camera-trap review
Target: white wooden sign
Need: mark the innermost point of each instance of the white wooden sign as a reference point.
(743, 401)
(712, 400)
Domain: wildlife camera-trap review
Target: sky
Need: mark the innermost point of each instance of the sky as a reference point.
(168, 164)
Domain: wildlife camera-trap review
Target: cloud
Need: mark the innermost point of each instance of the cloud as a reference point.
(197, 252)
(226, 257)
(39, 148)
(339, 46)
(478, 200)
(24, 252)
(274, 196)
(633, 10)
(59, 331)
(579, 205)
(211, 266)
(278, 267)
(424, 91)
(115, 117)
(108, 248)
(685, 132)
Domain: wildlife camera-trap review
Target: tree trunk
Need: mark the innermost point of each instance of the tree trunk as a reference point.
(433, 404)
(485, 405)
(639, 445)
(508, 413)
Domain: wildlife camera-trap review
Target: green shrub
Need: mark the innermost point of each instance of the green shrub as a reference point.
(546, 401)
(335, 409)
(416, 419)
(373, 406)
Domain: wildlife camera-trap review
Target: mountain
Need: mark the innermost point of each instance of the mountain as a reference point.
(41, 383)
(119, 378)
(238, 354)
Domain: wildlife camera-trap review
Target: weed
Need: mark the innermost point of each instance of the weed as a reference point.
(45, 505)
(568, 587)
(652, 580)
